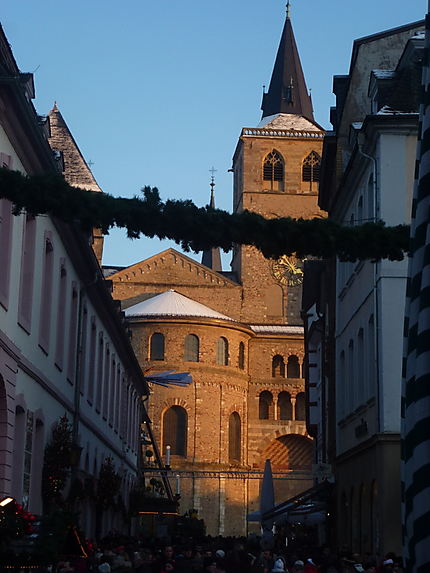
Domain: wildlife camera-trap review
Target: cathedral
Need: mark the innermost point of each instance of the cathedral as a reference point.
(238, 333)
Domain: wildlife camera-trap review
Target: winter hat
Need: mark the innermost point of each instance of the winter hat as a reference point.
(388, 562)
(104, 567)
(220, 554)
(359, 568)
(278, 566)
(299, 563)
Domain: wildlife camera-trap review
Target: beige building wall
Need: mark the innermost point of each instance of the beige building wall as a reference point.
(260, 304)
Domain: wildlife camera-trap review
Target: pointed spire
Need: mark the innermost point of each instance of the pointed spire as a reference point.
(212, 257)
(287, 91)
(212, 201)
(76, 169)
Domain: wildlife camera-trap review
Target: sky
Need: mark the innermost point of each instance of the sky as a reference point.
(157, 92)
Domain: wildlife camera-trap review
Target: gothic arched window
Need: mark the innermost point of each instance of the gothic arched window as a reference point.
(222, 351)
(265, 404)
(293, 367)
(285, 407)
(156, 350)
(234, 437)
(311, 167)
(273, 167)
(191, 348)
(278, 366)
(241, 357)
(175, 430)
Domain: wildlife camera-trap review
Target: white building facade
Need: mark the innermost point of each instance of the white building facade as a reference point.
(64, 350)
(355, 327)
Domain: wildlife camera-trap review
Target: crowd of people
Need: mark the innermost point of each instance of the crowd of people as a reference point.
(219, 555)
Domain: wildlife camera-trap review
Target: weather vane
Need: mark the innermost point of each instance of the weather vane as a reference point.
(212, 170)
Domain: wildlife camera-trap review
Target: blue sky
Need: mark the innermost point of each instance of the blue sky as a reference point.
(156, 93)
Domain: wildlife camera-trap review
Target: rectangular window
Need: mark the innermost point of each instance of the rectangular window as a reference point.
(61, 315)
(83, 353)
(92, 360)
(117, 399)
(123, 409)
(46, 293)
(111, 391)
(128, 417)
(28, 451)
(6, 225)
(6, 161)
(73, 331)
(99, 386)
(25, 300)
(106, 384)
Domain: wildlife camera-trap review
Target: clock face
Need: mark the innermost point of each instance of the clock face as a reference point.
(287, 271)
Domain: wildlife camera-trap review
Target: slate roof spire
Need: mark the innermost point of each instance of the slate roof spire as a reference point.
(212, 257)
(287, 90)
(76, 170)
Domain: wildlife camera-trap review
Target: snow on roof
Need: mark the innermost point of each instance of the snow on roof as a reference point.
(287, 121)
(276, 329)
(387, 110)
(383, 74)
(171, 303)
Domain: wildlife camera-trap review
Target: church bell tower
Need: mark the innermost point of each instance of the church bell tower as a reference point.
(276, 173)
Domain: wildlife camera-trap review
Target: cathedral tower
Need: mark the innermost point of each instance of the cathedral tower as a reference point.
(239, 334)
(276, 172)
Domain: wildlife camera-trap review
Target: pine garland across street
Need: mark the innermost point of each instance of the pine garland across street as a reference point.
(200, 228)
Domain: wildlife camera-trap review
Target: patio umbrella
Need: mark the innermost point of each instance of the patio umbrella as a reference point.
(416, 368)
(267, 502)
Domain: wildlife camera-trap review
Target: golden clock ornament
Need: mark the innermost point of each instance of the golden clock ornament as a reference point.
(287, 271)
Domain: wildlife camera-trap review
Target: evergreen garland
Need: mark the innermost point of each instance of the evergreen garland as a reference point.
(200, 228)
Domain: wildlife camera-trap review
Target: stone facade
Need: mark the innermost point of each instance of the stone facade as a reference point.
(251, 407)
(266, 320)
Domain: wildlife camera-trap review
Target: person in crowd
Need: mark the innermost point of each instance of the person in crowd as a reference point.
(267, 560)
(298, 566)
(279, 566)
(185, 562)
(310, 566)
(220, 566)
(166, 562)
(209, 564)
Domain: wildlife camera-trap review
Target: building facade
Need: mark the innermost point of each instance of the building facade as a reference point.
(64, 349)
(239, 333)
(355, 322)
